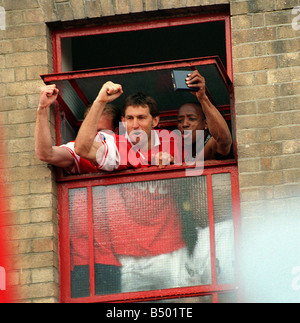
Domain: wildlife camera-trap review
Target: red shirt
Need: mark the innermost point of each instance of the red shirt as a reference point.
(137, 219)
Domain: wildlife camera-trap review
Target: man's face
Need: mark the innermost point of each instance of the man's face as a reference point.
(139, 123)
(189, 118)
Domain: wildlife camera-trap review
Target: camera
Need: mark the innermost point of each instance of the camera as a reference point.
(178, 79)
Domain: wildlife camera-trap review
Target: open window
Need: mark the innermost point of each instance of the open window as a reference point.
(100, 212)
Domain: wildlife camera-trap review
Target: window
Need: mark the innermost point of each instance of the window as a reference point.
(105, 216)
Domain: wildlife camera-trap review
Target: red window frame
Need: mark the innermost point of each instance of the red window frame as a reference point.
(90, 180)
(65, 266)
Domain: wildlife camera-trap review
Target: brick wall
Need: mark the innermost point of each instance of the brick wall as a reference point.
(266, 62)
(266, 75)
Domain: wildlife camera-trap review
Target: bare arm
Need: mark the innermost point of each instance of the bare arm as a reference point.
(221, 140)
(54, 155)
(85, 146)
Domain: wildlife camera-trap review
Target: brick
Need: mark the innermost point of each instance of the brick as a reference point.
(291, 147)
(48, 9)
(5, 47)
(43, 275)
(249, 165)
(291, 118)
(20, 4)
(284, 75)
(244, 7)
(64, 11)
(286, 4)
(92, 9)
(151, 5)
(122, 7)
(42, 289)
(253, 35)
(261, 179)
(33, 16)
(33, 231)
(246, 79)
(14, 18)
(243, 50)
(42, 215)
(261, 78)
(278, 17)
(21, 116)
(260, 49)
(287, 190)
(287, 32)
(254, 64)
(136, 5)
(250, 93)
(25, 31)
(107, 7)
(246, 137)
(243, 108)
(41, 186)
(293, 175)
(241, 22)
(27, 59)
(7, 76)
(258, 20)
(260, 150)
(179, 3)
(256, 194)
(289, 59)
(285, 132)
(288, 89)
(285, 162)
(78, 9)
(29, 173)
(43, 245)
(283, 46)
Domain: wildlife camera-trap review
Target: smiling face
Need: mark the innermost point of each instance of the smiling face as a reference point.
(190, 117)
(139, 123)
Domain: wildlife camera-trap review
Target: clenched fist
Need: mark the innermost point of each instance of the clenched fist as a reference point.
(48, 96)
(109, 92)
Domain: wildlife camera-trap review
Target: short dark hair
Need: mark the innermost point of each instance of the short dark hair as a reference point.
(141, 99)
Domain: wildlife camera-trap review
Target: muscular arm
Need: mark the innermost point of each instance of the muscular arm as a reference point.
(221, 140)
(85, 146)
(54, 155)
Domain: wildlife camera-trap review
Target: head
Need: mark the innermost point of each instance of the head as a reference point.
(191, 117)
(110, 118)
(140, 116)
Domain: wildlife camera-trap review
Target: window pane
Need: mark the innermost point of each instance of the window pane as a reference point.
(79, 246)
(145, 235)
(224, 238)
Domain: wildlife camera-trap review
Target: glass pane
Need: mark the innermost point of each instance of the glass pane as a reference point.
(224, 237)
(79, 245)
(147, 235)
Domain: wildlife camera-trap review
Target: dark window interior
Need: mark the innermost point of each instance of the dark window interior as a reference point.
(151, 45)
